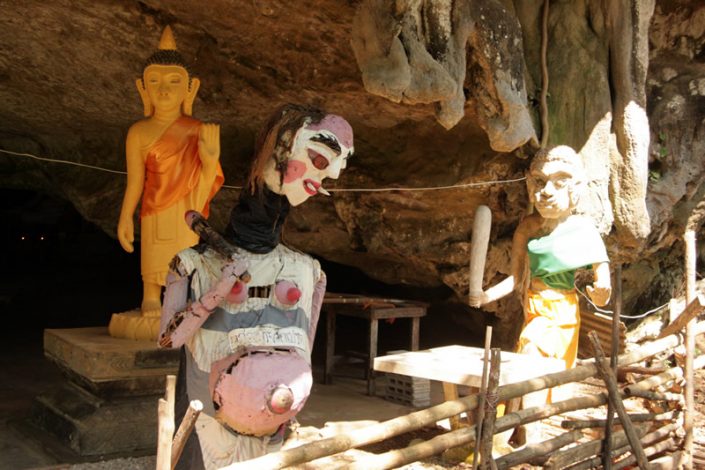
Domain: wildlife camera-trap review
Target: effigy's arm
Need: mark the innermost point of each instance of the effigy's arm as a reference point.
(506, 286)
(601, 289)
(183, 324)
(319, 291)
(133, 191)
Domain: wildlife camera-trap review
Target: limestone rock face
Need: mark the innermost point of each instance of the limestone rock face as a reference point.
(439, 94)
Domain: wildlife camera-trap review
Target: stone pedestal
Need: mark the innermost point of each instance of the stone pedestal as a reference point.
(108, 402)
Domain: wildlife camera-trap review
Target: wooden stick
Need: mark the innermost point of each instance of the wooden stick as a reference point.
(166, 425)
(651, 438)
(423, 418)
(483, 393)
(539, 449)
(690, 271)
(399, 457)
(636, 418)
(695, 307)
(664, 396)
(586, 450)
(487, 436)
(641, 370)
(481, 225)
(607, 450)
(654, 381)
(616, 400)
(185, 429)
(650, 451)
(670, 462)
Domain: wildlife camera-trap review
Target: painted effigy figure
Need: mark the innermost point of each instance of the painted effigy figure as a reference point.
(552, 244)
(172, 167)
(247, 345)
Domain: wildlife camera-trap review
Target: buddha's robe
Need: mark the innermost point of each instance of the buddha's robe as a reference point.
(172, 184)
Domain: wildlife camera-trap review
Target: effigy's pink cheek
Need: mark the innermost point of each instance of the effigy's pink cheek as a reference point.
(294, 170)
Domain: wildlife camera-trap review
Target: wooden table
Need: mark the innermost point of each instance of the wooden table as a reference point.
(371, 309)
(462, 365)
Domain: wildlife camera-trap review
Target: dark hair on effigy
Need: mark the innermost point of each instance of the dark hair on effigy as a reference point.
(276, 139)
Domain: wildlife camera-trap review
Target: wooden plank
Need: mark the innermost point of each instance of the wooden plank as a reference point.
(463, 365)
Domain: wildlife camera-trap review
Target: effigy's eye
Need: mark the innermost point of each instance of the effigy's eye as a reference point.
(318, 160)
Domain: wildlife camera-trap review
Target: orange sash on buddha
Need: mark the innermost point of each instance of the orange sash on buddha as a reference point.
(173, 167)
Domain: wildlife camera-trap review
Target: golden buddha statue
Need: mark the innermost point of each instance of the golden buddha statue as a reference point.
(172, 165)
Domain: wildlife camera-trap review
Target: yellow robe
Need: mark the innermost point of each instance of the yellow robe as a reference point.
(173, 170)
(553, 324)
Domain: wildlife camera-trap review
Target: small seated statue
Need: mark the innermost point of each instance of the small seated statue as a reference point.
(247, 321)
(172, 164)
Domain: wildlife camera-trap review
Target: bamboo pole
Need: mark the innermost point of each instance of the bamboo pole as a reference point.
(185, 429)
(641, 370)
(486, 438)
(616, 400)
(607, 451)
(665, 396)
(399, 457)
(166, 425)
(654, 381)
(539, 449)
(690, 257)
(694, 221)
(599, 423)
(419, 419)
(483, 392)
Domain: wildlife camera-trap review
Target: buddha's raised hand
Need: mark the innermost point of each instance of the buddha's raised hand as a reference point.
(209, 144)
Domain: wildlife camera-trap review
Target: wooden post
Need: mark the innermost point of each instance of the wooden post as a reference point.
(490, 405)
(688, 421)
(616, 400)
(694, 221)
(617, 308)
(483, 393)
(185, 429)
(166, 425)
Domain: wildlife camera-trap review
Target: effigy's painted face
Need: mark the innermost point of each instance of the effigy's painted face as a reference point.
(166, 85)
(550, 185)
(319, 151)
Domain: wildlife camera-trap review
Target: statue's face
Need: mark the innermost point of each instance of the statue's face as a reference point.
(550, 185)
(319, 151)
(166, 85)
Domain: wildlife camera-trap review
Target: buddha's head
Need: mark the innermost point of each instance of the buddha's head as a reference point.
(166, 85)
(555, 180)
(298, 148)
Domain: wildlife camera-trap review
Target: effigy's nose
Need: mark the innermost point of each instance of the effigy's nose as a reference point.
(280, 400)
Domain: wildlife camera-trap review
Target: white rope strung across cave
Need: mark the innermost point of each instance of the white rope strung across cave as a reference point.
(332, 190)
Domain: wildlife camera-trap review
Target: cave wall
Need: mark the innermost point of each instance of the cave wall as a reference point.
(439, 94)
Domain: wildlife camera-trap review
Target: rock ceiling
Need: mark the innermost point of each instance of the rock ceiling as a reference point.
(457, 104)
